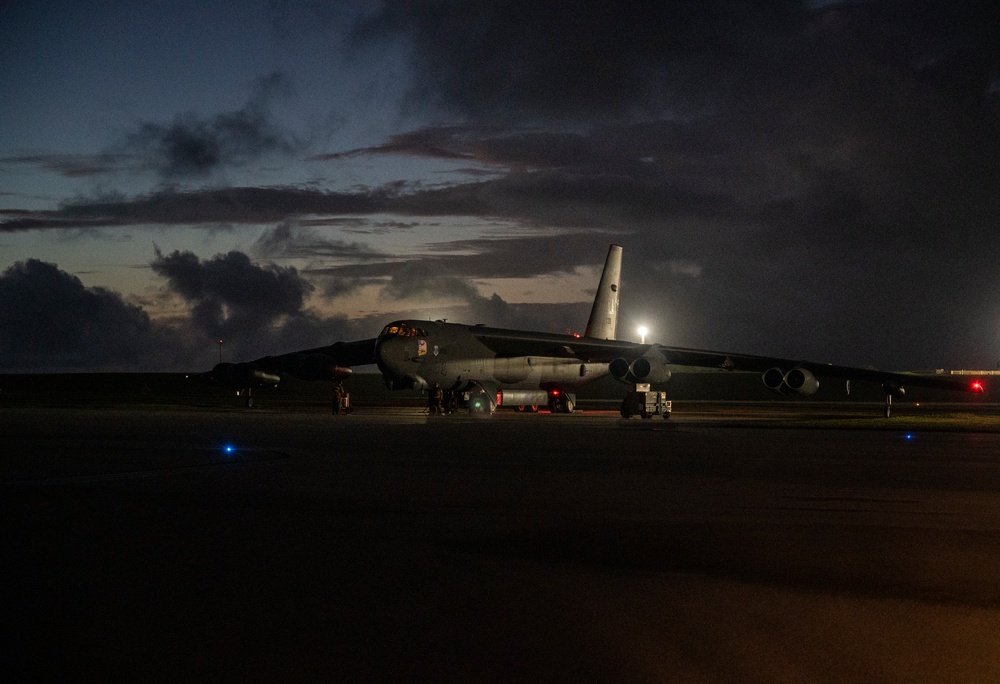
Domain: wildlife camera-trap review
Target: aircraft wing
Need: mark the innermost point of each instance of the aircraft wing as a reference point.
(743, 362)
(509, 343)
(343, 354)
(332, 362)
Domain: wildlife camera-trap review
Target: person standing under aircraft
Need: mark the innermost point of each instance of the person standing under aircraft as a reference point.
(339, 398)
(434, 400)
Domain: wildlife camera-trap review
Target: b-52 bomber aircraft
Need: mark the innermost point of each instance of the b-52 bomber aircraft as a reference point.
(497, 366)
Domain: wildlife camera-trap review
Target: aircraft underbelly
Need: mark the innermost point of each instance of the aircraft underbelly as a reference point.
(542, 373)
(514, 372)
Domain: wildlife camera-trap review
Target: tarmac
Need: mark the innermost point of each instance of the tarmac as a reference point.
(388, 545)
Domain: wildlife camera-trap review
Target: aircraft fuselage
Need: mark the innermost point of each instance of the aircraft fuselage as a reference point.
(414, 354)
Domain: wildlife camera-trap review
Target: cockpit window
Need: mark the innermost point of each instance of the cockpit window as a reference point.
(403, 330)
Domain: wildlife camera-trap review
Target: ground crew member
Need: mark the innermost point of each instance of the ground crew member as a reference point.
(338, 397)
(434, 400)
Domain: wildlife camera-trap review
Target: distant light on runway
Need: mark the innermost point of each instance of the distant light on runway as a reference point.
(643, 331)
(228, 449)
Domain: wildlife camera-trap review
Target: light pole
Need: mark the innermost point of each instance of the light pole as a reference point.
(642, 333)
(220, 351)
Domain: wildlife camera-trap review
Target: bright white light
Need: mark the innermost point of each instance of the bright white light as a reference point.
(642, 333)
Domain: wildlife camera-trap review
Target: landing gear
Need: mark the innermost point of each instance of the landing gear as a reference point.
(480, 402)
(560, 402)
(890, 392)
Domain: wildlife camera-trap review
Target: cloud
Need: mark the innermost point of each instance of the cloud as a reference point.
(256, 309)
(555, 198)
(826, 122)
(291, 240)
(433, 143)
(49, 321)
(514, 61)
(190, 146)
(206, 207)
(522, 59)
(419, 279)
(72, 165)
(685, 268)
(229, 294)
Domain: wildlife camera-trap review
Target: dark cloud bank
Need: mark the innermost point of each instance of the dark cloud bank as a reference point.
(50, 321)
(832, 171)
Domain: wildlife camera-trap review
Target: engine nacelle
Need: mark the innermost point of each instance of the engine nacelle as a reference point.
(801, 381)
(893, 390)
(242, 376)
(798, 380)
(774, 380)
(314, 367)
(642, 369)
(619, 369)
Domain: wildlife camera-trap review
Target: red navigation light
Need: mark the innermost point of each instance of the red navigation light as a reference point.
(977, 386)
(554, 393)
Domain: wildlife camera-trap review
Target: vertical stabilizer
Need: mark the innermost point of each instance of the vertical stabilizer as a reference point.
(604, 316)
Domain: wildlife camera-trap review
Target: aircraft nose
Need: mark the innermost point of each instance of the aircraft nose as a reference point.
(388, 350)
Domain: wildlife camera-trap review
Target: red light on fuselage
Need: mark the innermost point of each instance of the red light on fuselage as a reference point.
(977, 386)
(553, 393)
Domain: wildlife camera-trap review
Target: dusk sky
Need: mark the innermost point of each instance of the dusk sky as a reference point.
(815, 180)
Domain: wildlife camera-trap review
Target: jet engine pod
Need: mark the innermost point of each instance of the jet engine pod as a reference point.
(640, 370)
(619, 370)
(797, 380)
(241, 375)
(645, 371)
(891, 390)
(801, 381)
(774, 380)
